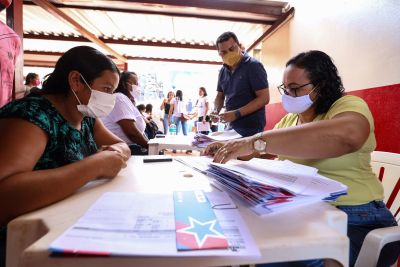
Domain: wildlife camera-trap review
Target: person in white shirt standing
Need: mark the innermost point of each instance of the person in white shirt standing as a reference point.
(125, 120)
(203, 108)
(178, 112)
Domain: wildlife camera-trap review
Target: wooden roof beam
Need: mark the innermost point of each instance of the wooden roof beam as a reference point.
(32, 61)
(270, 7)
(120, 41)
(64, 17)
(165, 13)
(279, 23)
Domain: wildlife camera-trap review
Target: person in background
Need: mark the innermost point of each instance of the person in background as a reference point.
(203, 108)
(149, 111)
(332, 132)
(142, 109)
(53, 143)
(125, 120)
(165, 105)
(32, 81)
(243, 84)
(176, 111)
(10, 48)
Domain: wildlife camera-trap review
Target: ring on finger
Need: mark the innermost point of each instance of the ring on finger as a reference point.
(223, 157)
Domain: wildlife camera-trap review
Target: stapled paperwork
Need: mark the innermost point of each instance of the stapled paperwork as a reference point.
(269, 185)
(142, 224)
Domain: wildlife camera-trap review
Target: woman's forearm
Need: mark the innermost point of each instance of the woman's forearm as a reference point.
(318, 140)
(27, 191)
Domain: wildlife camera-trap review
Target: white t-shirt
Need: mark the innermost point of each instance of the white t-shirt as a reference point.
(179, 107)
(201, 106)
(123, 109)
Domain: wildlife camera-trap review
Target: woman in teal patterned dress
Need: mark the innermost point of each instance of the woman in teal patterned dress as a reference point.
(53, 143)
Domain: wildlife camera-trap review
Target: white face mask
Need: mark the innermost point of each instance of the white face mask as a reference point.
(100, 104)
(297, 104)
(135, 93)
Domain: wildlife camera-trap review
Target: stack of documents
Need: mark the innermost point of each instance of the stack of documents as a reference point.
(271, 185)
(202, 140)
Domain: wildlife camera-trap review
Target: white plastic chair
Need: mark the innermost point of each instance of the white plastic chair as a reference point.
(387, 166)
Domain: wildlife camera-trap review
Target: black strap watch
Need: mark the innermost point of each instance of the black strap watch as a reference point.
(237, 114)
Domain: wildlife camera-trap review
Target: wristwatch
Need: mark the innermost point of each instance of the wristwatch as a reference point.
(259, 144)
(237, 114)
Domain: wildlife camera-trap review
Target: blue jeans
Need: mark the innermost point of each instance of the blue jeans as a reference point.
(165, 123)
(178, 121)
(364, 218)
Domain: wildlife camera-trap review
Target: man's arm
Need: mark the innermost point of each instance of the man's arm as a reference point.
(262, 98)
(219, 102)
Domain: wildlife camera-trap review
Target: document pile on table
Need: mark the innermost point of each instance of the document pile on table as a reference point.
(271, 185)
(183, 223)
(202, 140)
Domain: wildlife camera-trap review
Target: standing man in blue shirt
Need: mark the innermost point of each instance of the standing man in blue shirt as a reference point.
(242, 85)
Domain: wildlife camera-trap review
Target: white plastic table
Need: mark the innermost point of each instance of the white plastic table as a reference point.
(309, 232)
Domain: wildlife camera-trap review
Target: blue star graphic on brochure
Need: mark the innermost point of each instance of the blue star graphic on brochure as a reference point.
(196, 225)
(201, 230)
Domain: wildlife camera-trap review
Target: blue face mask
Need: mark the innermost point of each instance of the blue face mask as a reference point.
(297, 104)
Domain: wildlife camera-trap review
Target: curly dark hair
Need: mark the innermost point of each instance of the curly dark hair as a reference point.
(122, 85)
(324, 76)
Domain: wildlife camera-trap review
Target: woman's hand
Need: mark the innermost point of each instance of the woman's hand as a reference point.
(111, 162)
(234, 149)
(114, 147)
(212, 148)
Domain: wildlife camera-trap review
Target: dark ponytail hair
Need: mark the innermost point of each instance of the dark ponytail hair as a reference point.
(179, 95)
(89, 62)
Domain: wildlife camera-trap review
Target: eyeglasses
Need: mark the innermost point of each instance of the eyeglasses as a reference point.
(284, 90)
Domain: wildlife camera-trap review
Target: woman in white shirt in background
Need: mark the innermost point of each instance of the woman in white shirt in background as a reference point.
(177, 109)
(202, 108)
(125, 120)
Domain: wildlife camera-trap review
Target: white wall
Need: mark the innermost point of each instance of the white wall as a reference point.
(362, 37)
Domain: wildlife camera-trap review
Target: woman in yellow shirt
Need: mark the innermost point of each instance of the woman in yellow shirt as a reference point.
(328, 130)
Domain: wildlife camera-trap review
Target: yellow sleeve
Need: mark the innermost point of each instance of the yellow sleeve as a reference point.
(353, 104)
(287, 121)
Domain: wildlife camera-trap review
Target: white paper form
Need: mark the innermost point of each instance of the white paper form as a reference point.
(200, 164)
(203, 127)
(143, 224)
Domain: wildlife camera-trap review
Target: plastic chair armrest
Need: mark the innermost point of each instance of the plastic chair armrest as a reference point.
(373, 244)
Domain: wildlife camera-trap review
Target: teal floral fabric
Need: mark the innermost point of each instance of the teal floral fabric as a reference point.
(66, 144)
